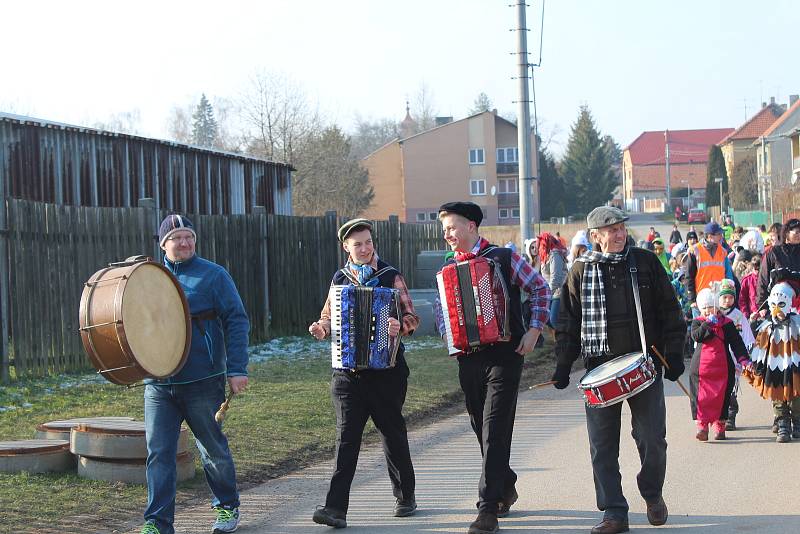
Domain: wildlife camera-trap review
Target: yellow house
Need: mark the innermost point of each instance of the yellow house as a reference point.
(474, 159)
(739, 144)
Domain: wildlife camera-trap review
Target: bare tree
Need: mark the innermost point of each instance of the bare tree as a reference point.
(743, 183)
(370, 135)
(328, 177)
(128, 122)
(423, 108)
(179, 124)
(278, 116)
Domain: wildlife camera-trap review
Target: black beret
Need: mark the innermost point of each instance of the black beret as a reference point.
(353, 224)
(470, 210)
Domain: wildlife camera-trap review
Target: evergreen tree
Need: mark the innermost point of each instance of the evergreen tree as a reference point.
(586, 170)
(715, 169)
(551, 187)
(204, 125)
(614, 150)
(481, 104)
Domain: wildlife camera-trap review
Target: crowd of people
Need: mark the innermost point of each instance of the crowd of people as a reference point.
(724, 297)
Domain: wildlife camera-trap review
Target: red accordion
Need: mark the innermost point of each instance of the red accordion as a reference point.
(474, 301)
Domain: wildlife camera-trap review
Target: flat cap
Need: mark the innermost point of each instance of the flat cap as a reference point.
(470, 210)
(605, 216)
(351, 225)
(713, 228)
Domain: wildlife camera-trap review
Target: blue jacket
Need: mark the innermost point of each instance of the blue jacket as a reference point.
(219, 345)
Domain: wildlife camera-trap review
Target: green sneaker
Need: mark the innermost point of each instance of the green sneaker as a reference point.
(149, 528)
(227, 520)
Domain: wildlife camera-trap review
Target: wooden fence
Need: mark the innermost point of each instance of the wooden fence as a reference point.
(282, 266)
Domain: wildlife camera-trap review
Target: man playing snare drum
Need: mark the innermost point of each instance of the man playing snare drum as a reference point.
(218, 355)
(598, 321)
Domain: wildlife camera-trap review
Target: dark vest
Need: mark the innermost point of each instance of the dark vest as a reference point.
(503, 257)
(385, 279)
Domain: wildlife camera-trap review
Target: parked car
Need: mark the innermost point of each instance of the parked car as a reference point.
(696, 216)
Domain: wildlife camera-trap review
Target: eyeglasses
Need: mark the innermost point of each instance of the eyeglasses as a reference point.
(181, 239)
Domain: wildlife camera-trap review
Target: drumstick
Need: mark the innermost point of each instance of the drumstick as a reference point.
(666, 365)
(220, 415)
(543, 384)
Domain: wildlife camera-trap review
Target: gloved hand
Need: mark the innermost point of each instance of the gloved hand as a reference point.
(712, 319)
(561, 376)
(676, 369)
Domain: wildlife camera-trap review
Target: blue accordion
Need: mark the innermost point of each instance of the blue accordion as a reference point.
(360, 327)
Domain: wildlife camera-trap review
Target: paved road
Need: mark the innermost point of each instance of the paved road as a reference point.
(746, 484)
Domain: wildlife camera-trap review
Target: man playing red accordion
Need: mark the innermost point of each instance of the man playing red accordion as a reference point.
(490, 374)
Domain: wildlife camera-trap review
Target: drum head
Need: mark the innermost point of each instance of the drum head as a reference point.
(155, 320)
(611, 369)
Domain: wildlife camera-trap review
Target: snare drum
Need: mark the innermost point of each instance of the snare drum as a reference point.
(617, 380)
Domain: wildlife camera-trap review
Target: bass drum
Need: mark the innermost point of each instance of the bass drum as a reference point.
(135, 322)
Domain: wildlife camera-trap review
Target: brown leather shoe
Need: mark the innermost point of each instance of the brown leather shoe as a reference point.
(610, 526)
(504, 506)
(657, 512)
(485, 523)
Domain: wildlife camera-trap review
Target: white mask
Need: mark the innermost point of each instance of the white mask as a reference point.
(780, 298)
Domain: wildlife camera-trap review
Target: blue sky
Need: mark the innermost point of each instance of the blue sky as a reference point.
(639, 65)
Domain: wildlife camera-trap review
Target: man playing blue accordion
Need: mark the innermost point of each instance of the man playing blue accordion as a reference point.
(360, 393)
(490, 374)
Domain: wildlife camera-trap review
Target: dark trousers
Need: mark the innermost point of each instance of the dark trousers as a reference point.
(357, 397)
(490, 380)
(648, 419)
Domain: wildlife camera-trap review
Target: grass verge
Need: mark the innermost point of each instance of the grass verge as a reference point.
(284, 422)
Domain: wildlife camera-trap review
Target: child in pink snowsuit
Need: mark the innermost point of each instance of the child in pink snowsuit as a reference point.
(712, 374)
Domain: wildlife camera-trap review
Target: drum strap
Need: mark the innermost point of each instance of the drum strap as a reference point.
(637, 299)
(208, 315)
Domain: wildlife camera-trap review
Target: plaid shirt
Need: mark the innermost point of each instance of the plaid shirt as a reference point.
(524, 277)
(410, 320)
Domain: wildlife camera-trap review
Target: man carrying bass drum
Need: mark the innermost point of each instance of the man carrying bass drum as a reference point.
(218, 355)
(598, 321)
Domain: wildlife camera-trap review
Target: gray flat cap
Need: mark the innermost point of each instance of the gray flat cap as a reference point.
(605, 216)
(353, 224)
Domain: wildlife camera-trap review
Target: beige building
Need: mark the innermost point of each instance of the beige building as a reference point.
(739, 143)
(472, 159)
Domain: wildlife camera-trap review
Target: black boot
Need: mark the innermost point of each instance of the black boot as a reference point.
(485, 523)
(730, 424)
(784, 430)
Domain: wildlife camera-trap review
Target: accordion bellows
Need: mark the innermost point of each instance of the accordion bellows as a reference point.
(474, 301)
(360, 327)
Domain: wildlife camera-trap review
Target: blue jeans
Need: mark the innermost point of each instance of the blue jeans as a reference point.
(554, 306)
(165, 408)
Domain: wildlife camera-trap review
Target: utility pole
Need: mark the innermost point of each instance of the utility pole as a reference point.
(528, 212)
(666, 167)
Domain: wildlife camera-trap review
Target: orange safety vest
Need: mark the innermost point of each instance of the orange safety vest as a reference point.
(709, 268)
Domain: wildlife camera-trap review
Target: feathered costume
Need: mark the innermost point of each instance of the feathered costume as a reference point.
(775, 372)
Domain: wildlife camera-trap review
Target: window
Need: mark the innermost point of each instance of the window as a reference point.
(432, 216)
(504, 213)
(507, 185)
(508, 155)
(477, 187)
(515, 212)
(420, 217)
(476, 156)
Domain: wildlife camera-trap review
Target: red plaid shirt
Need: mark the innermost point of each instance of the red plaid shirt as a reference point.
(524, 277)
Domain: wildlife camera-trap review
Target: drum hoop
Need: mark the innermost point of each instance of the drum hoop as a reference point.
(123, 338)
(627, 395)
(603, 381)
(86, 334)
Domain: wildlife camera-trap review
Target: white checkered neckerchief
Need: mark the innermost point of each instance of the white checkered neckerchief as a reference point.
(594, 330)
